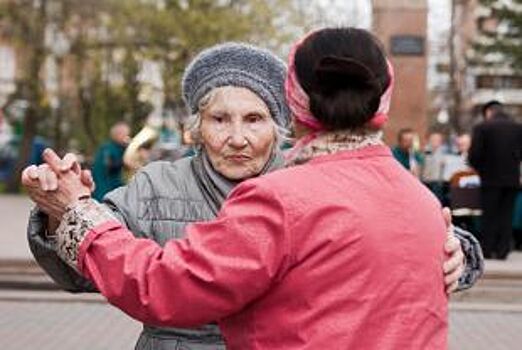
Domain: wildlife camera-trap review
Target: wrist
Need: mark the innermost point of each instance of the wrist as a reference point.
(74, 203)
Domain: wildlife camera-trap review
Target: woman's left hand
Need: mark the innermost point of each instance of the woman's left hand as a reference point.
(454, 265)
(52, 188)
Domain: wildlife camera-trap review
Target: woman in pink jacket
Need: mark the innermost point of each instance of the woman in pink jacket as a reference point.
(334, 252)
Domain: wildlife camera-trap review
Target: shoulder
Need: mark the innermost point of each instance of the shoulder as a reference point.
(479, 128)
(161, 189)
(396, 151)
(104, 147)
(166, 175)
(168, 169)
(284, 188)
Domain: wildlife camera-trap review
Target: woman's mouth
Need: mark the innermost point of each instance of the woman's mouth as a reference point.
(237, 158)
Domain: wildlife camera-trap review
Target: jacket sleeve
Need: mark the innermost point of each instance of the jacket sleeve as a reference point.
(476, 150)
(219, 267)
(474, 265)
(123, 203)
(44, 252)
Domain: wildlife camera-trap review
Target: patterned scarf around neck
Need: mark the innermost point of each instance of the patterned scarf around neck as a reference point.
(329, 142)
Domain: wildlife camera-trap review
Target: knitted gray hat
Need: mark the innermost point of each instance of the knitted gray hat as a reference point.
(240, 65)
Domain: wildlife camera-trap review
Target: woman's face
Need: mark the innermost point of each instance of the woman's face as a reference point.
(237, 133)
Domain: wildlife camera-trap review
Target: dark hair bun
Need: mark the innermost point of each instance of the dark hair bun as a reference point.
(344, 72)
(336, 73)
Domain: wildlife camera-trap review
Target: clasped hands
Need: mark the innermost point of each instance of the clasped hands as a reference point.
(59, 183)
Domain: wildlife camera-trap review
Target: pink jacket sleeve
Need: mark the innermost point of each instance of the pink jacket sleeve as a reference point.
(215, 271)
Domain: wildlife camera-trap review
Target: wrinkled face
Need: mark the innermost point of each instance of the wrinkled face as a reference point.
(237, 133)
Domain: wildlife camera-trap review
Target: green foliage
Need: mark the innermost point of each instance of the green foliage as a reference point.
(507, 42)
(108, 42)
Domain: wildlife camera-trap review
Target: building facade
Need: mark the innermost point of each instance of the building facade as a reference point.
(470, 78)
(402, 27)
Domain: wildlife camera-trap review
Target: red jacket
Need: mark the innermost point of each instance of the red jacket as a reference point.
(344, 252)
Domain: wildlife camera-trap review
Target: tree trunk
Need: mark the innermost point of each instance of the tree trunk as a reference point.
(33, 96)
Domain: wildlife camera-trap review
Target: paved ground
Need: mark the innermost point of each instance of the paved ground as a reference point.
(44, 325)
(13, 218)
(36, 321)
(485, 330)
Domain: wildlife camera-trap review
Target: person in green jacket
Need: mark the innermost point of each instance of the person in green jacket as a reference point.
(405, 154)
(107, 169)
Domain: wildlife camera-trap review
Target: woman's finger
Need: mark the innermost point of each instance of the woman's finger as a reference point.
(29, 175)
(52, 160)
(87, 179)
(41, 176)
(454, 262)
(453, 277)
(70, 162)
(452, 244)
(47, 178)
(446, 213)
(51, 180)
(452, 287)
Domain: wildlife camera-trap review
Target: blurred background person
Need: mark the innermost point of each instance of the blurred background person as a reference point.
(161, 138)
(7, 153)
(406, 152)
(107, 169)
(495, 153)
(464, 186)
(457, 161)
(433, 166)
(517, 221)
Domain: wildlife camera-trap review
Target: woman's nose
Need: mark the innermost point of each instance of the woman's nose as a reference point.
(237, 137)
(237, 140)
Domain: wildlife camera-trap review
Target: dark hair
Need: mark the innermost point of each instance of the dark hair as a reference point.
(344, 72)
(403, 132)
(494, 106)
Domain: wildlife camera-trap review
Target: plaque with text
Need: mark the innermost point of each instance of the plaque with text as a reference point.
(407, 45)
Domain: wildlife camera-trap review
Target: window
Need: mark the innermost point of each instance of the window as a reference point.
(499, 82)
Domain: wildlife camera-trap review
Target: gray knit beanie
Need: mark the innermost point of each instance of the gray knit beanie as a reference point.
(240, 65)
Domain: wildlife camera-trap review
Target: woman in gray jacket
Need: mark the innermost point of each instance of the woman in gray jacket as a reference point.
(235, 93)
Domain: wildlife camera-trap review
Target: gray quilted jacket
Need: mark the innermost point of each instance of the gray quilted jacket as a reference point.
(158, 203)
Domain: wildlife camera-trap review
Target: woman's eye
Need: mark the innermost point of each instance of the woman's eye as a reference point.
(218, 118)
(253, 118)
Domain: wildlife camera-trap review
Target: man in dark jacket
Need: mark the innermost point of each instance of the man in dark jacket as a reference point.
(496, 154)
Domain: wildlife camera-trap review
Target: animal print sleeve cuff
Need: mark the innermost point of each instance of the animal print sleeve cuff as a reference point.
(79, 219)
(474, 266)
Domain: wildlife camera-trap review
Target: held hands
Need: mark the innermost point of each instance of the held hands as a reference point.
(57, 184)
(454, 265)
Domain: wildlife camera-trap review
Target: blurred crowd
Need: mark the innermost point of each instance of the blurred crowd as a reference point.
(477, 175)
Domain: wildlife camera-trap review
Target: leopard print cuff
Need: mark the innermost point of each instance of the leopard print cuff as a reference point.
(77, 221)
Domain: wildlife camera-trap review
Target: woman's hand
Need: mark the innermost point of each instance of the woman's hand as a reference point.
(454, 265)
(56, 184)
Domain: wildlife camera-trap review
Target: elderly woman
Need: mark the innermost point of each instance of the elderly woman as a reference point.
(197, 268)
(236, 95)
